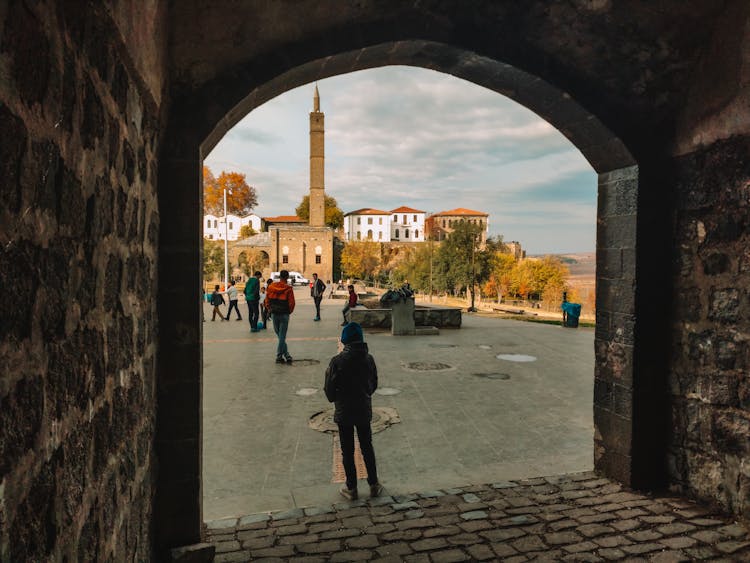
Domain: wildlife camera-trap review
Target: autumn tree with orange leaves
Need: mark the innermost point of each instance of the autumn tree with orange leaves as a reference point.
(241, 197)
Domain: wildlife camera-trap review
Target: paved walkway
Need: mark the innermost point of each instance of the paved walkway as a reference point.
(465, 416)
(577, 517)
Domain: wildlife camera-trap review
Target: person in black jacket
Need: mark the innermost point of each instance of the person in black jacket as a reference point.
(351, 379)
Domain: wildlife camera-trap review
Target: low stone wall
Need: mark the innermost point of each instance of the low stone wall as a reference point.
(441, 317)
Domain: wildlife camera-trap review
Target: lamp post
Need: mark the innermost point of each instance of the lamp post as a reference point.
(226, 237)
(473, 274)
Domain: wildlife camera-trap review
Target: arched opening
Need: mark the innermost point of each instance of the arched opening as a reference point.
(618, 193)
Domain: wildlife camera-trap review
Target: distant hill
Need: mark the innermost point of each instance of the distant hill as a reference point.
(580, 264)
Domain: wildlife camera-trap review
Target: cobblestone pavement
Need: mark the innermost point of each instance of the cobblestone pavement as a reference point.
(574, 517)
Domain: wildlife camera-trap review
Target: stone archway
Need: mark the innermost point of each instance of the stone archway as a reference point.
(617, 401)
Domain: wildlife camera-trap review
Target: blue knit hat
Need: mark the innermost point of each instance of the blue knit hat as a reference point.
(352, 333)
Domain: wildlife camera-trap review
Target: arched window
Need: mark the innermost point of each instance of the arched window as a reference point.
(380, 235)
(406, 233)
(396, 236)
(369, 234)
(416, 233)
(359, 235)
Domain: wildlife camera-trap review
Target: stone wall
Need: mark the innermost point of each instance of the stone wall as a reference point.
(78, 251)
(709, 381)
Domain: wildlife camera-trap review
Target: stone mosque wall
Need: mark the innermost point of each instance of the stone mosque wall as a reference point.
(79, 121)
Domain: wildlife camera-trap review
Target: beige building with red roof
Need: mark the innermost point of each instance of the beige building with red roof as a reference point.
(439, 225)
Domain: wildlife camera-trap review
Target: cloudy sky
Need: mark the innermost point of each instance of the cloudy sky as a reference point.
(408, 136)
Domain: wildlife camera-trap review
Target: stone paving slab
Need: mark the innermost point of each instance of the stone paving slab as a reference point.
(441, 526)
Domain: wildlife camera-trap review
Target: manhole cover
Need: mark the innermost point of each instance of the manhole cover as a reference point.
(492, 375)
(387, 391)
(428, 366)
(305, 391)
(382, 418)
(305, 362)
(516, 357)
(485, 347)
(443, 345)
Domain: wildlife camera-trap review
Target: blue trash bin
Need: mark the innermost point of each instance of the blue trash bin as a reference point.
(572, 312)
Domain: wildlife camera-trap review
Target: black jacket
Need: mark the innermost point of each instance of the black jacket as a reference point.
(351, 378)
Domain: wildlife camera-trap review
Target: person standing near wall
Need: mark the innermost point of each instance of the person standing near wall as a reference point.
(252, 295)
(317, 290)
(217, 299)
(232, 294)
(280, 301)
(350, 304)
(351, 379)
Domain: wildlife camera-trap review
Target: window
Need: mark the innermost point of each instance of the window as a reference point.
(406, 233)
(404, 221)
(380, 235)
(216, 224)
(359, 235)
(415, 218)
(369, 220)
(210, 236)
(208, 224)
(359, 220)
(396, 234)
(395, 218)
(369, 234)
(317, 258)
(285, 259)
(443, 223)
(380, 220)
(416, 233)
(230, 225)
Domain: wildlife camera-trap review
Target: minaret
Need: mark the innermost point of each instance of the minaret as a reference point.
(317, 164)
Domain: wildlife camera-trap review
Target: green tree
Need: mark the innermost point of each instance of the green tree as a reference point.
(334, 217)
(213, 259)
(458, 260)
(247, 231)
(361, 259)
(414, 267)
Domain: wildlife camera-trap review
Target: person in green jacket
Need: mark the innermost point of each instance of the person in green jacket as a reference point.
(252, 295)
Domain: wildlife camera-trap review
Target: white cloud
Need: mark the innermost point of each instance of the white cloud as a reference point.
(407, 136)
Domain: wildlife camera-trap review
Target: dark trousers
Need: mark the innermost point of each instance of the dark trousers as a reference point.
(317, 305)
(252, 312)
(233, 305)
(364, 435)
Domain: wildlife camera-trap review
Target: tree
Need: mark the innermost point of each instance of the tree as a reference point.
(334, 217)
(241, 198)
(213, 259)
(361, 259)
(247, 231)
(458, 260)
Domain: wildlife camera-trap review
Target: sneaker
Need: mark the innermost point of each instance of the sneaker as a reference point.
(375, 490)
(288, 359)
(348, 494)
(280, 360)
(316, 319)
(254, 330)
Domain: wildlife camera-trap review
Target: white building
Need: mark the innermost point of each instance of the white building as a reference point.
(213, 226)
(407, 225)
(368, 224)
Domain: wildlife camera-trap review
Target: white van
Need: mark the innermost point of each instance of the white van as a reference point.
(295, 278)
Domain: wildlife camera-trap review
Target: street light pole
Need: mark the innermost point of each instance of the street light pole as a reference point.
(226, 238)
(473, 274)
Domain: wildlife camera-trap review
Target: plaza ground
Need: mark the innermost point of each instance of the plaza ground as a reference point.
(466, 417)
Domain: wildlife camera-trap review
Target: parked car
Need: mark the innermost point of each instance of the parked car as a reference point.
(295, 278)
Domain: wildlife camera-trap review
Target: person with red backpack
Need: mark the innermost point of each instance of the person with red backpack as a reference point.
(280, 302)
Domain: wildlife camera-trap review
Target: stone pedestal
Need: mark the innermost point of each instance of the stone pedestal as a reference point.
(402, 318)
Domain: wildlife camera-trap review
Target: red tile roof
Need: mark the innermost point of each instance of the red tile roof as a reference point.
(460, 211)
(368, 211)
(404, 209)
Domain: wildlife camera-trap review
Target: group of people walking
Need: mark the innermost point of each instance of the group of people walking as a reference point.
(350, 379)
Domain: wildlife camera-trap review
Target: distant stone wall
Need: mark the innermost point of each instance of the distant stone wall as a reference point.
(709, 381)
(78, 240)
